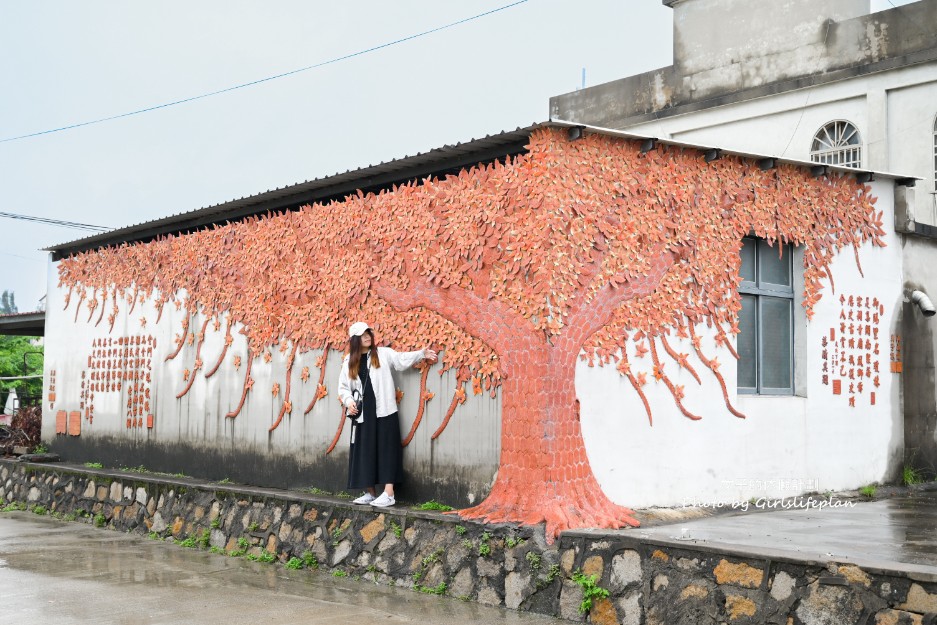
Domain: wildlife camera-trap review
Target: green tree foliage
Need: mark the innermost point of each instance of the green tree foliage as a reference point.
(7, 303)
(12, 350)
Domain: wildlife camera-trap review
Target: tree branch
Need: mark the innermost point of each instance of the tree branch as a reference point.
(588, 316)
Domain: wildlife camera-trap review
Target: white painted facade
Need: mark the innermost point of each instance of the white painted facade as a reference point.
(894, 111)
(786, 445)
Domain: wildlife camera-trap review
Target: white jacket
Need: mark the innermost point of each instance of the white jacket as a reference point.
(382, 382)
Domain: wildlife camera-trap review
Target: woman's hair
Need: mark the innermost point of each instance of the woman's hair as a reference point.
(354, 354)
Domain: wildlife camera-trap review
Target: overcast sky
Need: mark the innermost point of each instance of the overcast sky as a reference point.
(65, 62)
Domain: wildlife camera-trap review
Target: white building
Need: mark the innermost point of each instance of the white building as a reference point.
(821, 81)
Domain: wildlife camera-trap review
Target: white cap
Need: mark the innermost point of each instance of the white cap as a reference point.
(358, 328)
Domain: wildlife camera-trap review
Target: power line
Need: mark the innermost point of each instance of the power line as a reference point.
(268, 78)
(55, 222)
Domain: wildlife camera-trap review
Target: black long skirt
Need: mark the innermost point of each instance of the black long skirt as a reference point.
(376, 455)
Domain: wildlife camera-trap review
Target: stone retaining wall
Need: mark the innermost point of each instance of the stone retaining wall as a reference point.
(649, 582)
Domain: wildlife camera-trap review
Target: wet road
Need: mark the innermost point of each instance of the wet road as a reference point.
(893, 533)
(67, 573)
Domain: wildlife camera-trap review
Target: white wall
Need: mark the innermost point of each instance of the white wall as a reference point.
(894, 112)
(472, 438)
(786, 445)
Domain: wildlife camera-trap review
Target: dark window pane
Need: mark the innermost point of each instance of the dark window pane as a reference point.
(776, 343)
(774, 270)
(746, 342)
(748, 260)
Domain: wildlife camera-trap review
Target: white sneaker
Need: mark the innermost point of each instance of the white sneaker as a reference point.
(364, 499)
(384, 500)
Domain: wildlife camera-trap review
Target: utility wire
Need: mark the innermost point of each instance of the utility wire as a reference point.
(55, 222)
(268, 78)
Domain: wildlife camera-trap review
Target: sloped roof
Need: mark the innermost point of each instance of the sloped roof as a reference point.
(373, 178)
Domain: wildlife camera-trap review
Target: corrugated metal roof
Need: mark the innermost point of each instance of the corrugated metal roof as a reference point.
(336, 186)
(375, 177)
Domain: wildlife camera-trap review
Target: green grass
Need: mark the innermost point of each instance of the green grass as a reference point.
(396, 529)
(868, 491)
(94, 465)
(40, 449)
(911, 476)
(315, 490)
(294, 564)
(13, 507)
(432, 504)
(138, 469)
(460, 530)
(513, 541)
(533, 559)
(189, 543)
(439, 589)
(265, 556)
(216, 550)
(99, 520)
(309, 560)
(339, 573)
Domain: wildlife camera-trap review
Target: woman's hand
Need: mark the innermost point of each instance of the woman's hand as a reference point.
(352, 410)
(429, 355)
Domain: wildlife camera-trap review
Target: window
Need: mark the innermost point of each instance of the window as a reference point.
(837, 143)
(766, 330)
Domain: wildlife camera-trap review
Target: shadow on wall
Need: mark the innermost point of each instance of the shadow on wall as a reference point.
(252, 468)
(920, 394)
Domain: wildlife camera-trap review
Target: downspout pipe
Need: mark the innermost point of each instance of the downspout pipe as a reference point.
(923, 302)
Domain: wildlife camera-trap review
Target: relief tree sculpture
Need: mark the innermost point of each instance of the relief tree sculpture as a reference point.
(585, 249)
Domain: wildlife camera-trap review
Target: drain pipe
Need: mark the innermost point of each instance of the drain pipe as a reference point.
(923, 302)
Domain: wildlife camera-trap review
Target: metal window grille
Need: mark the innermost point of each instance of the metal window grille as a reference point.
(837, 143)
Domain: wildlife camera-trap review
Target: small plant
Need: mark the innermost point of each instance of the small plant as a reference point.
(395, 528)
(253, 526)
(94, 465)
(243, 543)
(14, 506)
(484, 549)
(460, 530)
(40, 510)
(911, 476)
(189, 543)
(154, 536)
(138, 469)
(343, 495)
(309, 560)
(204, 539)
(216, 523)
(224, 481)
(432, 504)
(339, 573)
(513, 541)
(466, 543)
(590, 590)
(868, 490)
(99, 520)
(265, 557)
(533, 559)
(439, 589)
(314, 490)
(71, 516)
(371, 568)
(552, 574)
(40, 449)
(294, 564)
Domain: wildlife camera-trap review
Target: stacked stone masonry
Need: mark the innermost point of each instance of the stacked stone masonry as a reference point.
(649, 583)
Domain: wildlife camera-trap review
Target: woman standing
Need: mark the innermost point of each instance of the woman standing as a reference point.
(376, 455)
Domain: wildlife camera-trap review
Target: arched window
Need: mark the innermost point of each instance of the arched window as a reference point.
(837, 143)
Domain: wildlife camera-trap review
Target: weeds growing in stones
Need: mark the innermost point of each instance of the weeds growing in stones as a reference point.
(590, 590)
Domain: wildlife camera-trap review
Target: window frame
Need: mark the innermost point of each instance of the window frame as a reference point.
(837, 148)
(762, 290)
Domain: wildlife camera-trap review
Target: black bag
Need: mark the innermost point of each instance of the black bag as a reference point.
(359, 399)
